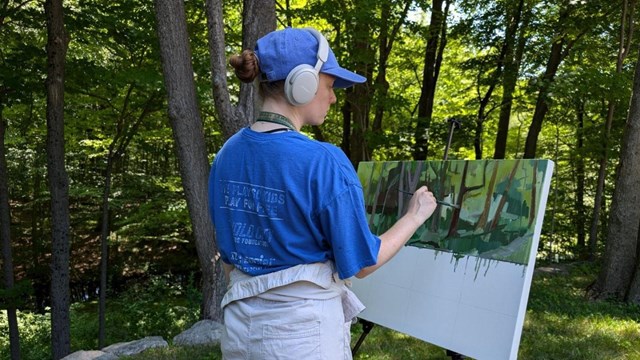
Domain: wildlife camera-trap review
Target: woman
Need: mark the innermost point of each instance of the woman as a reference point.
(289, 211)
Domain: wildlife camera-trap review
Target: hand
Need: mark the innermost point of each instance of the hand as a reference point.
(421, 205)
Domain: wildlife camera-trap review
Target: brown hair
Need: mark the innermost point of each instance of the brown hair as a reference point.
(247, 69)
(246, 65)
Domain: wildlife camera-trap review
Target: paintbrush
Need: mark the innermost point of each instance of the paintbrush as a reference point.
(439, 202)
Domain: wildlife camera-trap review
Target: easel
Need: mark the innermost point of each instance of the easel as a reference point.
(366, 329)
(368, 325)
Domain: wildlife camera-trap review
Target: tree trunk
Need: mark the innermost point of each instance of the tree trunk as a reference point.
(633, 295)
(626, 34)
(124, 133)
(345, 145)
(37, 268)
(188, 134)
(259, 18)
(542, 103)
(562, 44)
(620, 255)
(506, 55)
(429, 77)
(360, 95)
(580, 182)
(360, 99)
(388, 34)
(510, 77)
(104, 252)
(5, 243)
(57, 42)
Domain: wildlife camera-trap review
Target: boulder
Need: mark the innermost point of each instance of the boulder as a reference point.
(135, 347)
(204, 332)
(90, 355)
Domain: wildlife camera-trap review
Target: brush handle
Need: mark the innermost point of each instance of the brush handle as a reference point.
(439, 202)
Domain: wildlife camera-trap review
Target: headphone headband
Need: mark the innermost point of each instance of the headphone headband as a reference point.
(302, 82)
(323, 48)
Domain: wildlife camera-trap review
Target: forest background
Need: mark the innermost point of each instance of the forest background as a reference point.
(111, 113)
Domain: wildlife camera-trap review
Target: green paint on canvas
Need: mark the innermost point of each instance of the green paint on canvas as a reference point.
(496, 203)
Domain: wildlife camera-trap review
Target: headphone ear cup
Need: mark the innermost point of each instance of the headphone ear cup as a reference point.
(301, 85)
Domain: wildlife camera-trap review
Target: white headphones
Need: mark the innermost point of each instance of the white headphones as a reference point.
(301, 84)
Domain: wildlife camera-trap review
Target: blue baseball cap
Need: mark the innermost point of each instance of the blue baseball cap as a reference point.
(282, 50)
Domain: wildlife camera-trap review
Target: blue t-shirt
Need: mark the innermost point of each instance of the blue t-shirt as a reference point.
(280, 200)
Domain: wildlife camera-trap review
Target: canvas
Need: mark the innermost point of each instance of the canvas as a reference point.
(462, 282)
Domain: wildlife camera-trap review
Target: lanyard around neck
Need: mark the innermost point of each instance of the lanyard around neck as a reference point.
(276, 119)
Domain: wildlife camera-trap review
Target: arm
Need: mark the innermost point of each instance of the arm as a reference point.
(227, 269)
(421, 206)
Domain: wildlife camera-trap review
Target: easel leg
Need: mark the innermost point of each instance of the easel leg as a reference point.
(366, 328)
(454, 355)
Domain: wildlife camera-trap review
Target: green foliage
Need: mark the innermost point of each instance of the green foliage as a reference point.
(35, 335)
(162, 306)
(156, 307)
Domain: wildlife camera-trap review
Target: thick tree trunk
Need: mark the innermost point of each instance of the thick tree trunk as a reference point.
(188, 135)
(5, 243)
(360, 99)
(360, 96)
(633, 294)
(258, 19)
(58, 180)
(620, 258)
(626, 34)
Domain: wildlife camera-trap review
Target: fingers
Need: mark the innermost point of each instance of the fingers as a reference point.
(423, 190)
(423, 204)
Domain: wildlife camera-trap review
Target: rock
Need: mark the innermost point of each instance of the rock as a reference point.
(90, 355)
(136, 347)
(203, 332)
(556, 269)
(107, 356)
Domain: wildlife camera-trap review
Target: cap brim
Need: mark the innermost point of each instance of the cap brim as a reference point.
(344, 77)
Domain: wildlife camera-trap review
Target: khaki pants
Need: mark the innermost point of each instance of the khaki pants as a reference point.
(299, 329)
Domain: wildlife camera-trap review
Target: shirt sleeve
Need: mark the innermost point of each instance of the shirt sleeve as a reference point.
(344, 223)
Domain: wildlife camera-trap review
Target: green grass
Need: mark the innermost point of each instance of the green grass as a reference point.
(560, 324)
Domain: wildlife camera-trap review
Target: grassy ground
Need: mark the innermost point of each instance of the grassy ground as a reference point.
(560, 324)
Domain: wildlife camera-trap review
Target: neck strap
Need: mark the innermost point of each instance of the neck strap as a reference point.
(276, 119)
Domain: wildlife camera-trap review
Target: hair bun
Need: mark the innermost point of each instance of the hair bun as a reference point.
(246, 66)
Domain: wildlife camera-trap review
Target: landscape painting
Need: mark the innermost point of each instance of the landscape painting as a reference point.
(462, 281)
